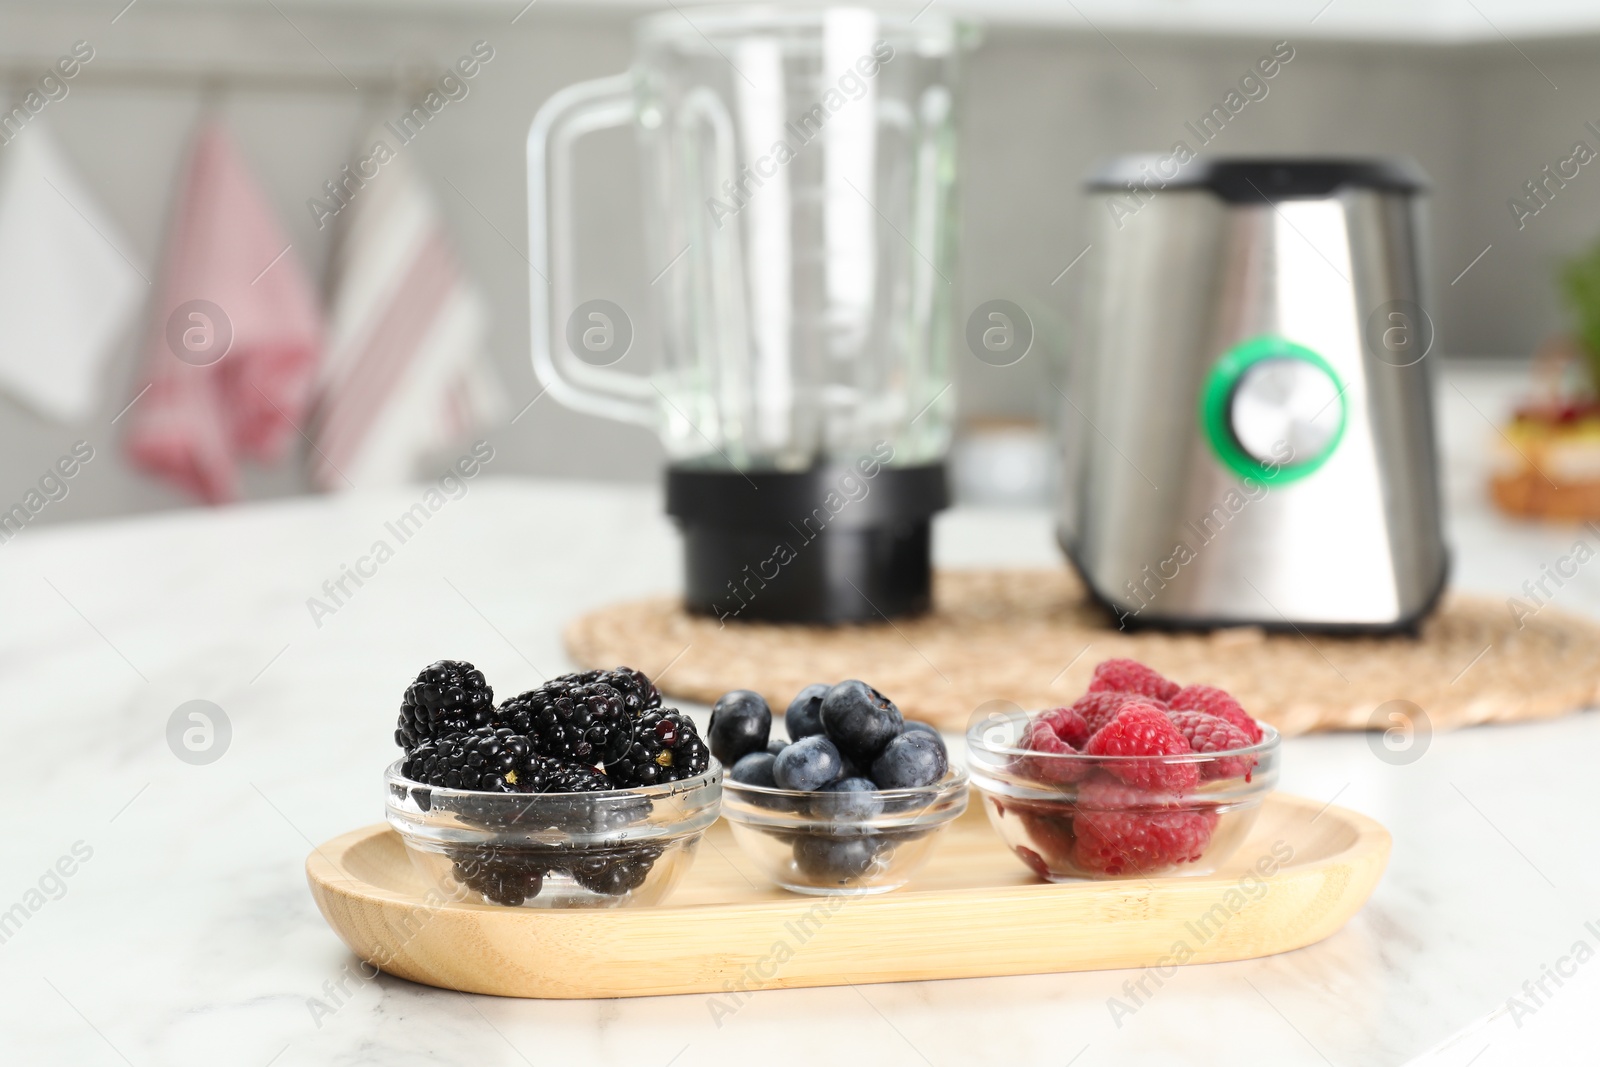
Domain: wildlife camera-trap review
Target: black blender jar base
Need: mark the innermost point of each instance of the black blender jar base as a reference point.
(834, 544)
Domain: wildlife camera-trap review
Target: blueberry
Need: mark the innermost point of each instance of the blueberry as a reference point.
(860, 720)
(913, 724)
(804, 716)
(913, 759)
(852, 769)
(808, 764)
(755, 769)
(835, 859)
(740, 724)
(777, 745)
(848, 800)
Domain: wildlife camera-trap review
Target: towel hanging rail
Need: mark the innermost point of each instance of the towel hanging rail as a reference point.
(22, 73)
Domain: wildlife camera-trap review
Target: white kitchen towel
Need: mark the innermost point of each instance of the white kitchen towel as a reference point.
(406, 373)
(68, 287)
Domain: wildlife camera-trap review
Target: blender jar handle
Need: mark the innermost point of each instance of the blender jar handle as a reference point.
(574, 111)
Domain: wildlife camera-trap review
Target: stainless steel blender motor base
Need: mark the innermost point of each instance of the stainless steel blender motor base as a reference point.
(833, 544)
(1118, 614)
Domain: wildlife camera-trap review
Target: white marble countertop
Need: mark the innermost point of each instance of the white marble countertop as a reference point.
(184, 933)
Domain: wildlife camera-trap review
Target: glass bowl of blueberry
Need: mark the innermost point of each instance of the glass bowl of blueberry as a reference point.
(582, 793)
(851, 804)
(1139, 776)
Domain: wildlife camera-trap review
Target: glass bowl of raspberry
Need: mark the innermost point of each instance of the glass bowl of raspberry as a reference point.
(602, 848)
(1138, 777)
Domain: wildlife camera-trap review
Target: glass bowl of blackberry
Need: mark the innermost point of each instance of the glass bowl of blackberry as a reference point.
(852, 804)
(1138, 777)
(584, 792)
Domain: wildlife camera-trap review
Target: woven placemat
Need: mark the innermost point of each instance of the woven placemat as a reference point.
(1030, 637)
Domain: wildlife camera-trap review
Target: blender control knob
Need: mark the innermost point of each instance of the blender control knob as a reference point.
(1273, 410)
(1282, 411)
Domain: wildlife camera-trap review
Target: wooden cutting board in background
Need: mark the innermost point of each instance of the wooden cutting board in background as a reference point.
(1031, 638)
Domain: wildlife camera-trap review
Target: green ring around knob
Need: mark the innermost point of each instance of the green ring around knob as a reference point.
(1216, 396)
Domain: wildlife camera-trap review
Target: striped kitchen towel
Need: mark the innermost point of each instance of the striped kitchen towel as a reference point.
(235, 339)
(407, 374)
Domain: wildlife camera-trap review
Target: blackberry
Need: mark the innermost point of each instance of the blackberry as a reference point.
(586, 724)
(639, 695)
(576, 778)
(486, 759)
(665, 748)
(637, 692)
(614, 873)
(448, 697)
(535, 772)
(503, 876)
(420, 762)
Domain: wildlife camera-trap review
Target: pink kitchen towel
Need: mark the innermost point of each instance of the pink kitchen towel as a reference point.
(236, 336)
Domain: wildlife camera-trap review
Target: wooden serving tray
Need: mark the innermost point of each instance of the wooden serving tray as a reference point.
(974, 911)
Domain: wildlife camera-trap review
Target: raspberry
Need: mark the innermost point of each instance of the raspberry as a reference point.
(1135, 843)
(1121, 830)
(1101, 707)
(1131, 676)
(1104, 793)
(1066, 724)
(1042, 736)
(1049, 829)
(1207, 733)
(1218, 702)
(1141, 730)
(1034, 861)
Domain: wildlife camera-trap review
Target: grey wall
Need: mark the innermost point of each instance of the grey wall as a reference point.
(1042, 104)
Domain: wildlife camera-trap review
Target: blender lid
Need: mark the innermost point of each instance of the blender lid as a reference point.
(1253, 179)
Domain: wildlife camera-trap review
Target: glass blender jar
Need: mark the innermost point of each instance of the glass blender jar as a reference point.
(799, 177)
